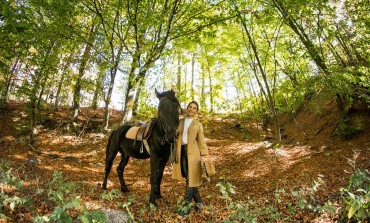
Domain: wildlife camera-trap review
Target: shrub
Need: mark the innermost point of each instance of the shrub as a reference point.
(346, 131)
(10, 202)
(283, 207)
(356, 197)
(66, 202)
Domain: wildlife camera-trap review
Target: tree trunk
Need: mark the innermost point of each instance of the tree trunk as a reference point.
(193, 55)
(44, 73)
(113, 73)
(32, 106)
(211, 99)
(239, 92)
(178, 82)
(7, 84)
(60, 84)
(269, 97)
(97, 91)
(81, 71)
(202, 91)
(130, 90)
(140, 85)
(129, 103)
(309, 45)
(299, 30)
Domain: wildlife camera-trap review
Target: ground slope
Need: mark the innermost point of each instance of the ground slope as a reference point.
(243, 153)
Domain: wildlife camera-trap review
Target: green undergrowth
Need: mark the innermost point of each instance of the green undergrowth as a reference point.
(62, 195)
(283, 205)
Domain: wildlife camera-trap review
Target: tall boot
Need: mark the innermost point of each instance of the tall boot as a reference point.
(189, 194)
(185, 209)
(197, 199)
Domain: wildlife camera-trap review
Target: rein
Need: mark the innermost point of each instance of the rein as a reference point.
(173, 149)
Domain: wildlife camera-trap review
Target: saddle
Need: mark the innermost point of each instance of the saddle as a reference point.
(141, 132)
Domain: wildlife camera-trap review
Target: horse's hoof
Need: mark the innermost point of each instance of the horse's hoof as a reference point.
(125, 190)
(158, 196)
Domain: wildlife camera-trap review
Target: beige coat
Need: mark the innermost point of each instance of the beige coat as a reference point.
(197, 147)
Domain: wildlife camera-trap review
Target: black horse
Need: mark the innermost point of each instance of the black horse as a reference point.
(161, 141)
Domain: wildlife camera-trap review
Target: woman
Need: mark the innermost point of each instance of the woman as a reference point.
(191, 152)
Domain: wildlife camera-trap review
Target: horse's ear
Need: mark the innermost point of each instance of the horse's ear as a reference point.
(173, 88)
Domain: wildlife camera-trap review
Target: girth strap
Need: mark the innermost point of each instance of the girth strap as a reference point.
(146, 145)
(141, 133)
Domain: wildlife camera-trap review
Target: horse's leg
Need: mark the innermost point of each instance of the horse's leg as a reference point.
(111, 152)
(120, 171)
(154, 170)
(161, 167)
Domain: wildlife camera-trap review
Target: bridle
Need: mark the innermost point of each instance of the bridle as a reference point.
(163, 129)
(164, 139)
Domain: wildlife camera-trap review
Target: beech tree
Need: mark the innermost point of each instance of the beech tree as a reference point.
(274, 54)
(313, 23)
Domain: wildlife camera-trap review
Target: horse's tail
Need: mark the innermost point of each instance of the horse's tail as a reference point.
(114, 140)
(108, 144)
(108, 159)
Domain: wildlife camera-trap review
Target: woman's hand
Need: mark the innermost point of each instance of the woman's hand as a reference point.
(206, 158)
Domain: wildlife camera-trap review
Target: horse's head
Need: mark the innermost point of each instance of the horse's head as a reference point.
(168, 114)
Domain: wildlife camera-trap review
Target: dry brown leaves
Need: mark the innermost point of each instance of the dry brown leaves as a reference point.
(243, 155)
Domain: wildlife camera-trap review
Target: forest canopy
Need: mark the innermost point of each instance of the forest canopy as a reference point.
(259, 58)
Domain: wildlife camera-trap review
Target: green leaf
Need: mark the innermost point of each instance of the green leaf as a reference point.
(361, 214)
(84, 219)
(73, 204)
(295, 193)
(2, 216)
(12, 205)
(352, 210)
(352, 195)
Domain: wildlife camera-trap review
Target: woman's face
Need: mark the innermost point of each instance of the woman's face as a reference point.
(192, 109)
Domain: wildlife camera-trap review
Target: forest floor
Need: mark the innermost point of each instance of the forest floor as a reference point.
(311, 163)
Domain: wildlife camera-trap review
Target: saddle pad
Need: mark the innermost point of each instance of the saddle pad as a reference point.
(132, 132)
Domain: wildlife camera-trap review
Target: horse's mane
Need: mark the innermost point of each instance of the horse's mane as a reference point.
(170, 95)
